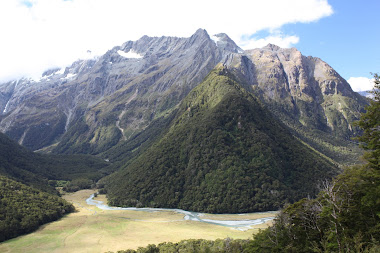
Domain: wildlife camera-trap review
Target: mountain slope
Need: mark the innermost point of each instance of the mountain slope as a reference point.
(223, 153)
(23, 208)
(307, 95)
(20, 164)
(111, 97)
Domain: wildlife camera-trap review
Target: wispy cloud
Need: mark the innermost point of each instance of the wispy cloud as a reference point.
(38, 34)
(284, 41)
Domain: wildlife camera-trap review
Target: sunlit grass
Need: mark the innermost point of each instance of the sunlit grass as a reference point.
(91, 229)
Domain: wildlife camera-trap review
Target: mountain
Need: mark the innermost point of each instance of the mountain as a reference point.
(33, 169)
(307, 95)
(367, 94)
(108, 99)
(101, 103)
(222, 153)
(28, 198)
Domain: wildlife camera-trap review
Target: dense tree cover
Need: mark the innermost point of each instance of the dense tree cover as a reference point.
(23, 209)
(345, 217)
(370, 123)
(223, 153)
(125, 152)
(35, 169)
(78, 184)
(189, 246)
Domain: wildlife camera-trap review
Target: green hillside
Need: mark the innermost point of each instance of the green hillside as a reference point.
(23, 209)
(28, 198)
(223, 153)
(21, 164)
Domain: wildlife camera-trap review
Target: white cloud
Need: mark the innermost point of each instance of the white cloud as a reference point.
(361, 83)
(47, 33)
(279, 40)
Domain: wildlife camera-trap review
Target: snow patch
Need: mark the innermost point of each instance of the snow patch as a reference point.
(129, 54)
(6, 107)
(215, 39)
(69, 76)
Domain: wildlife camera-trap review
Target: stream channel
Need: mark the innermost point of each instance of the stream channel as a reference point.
(243, 224)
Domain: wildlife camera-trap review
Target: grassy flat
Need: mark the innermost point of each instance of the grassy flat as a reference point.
(91, 229)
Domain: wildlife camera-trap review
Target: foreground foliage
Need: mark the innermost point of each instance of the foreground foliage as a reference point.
(190, 246)
(370, 123)
(23, 209)
(345, 217)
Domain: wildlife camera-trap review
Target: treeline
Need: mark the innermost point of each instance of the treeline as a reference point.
(23, 209)
(199, 245)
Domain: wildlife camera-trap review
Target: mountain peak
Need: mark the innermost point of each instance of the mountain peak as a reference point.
(226, 43)
(201, 33)
(272, 47)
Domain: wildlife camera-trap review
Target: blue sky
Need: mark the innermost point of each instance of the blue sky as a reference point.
(41, 34)
(348, 40)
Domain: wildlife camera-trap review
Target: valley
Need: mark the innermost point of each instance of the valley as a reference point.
(163, 125)
(91, 229)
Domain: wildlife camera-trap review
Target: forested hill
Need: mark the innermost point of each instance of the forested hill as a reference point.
(223, 153)
(31, 202)
(34, 169)
(23, 208)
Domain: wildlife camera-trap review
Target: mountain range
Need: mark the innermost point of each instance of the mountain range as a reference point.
(222, 125)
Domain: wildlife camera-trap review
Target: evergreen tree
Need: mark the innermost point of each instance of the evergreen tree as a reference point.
(370, 123)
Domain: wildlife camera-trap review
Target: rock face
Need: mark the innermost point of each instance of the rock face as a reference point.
(307, 95)
(95, 104)
(307, 88)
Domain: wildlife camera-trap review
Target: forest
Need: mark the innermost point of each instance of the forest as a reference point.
(23, 209)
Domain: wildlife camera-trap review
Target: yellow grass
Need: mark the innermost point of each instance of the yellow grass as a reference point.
(91, 229)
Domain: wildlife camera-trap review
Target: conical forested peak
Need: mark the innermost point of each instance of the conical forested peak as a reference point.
(215, 86)
(223, 153)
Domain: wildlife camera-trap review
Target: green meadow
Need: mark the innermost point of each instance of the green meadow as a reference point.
(91, 229)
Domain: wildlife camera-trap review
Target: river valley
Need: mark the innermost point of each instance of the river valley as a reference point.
(95, 227)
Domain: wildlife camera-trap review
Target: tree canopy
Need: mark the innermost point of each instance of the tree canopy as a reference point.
(370, 123)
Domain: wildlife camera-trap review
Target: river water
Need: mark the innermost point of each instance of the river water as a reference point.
(242, 224)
